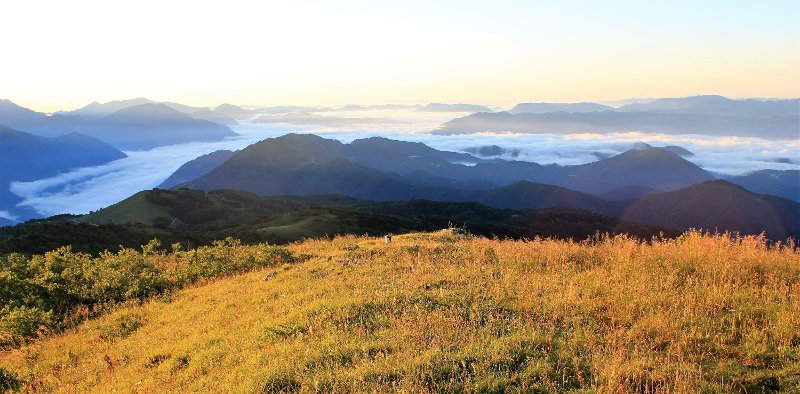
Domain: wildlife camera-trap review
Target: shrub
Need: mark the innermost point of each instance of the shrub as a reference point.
(21, 323)
(48, 291)
(123, 326)
(9, 381)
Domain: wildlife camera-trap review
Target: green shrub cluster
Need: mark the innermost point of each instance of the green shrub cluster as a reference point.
(61, 287)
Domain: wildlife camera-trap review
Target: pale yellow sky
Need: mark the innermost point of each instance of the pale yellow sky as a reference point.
(63, 55)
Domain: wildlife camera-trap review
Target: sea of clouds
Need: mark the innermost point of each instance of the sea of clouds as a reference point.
(87, 189)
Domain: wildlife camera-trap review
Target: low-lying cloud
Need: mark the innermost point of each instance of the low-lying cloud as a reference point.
(8, 215)
(91, 188)
(720, 155)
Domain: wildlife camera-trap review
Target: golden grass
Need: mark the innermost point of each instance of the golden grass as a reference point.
(434, 312)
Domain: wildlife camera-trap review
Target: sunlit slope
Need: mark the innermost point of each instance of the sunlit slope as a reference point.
(436, 311)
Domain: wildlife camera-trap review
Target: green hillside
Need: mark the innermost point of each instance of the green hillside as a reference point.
(221, 213)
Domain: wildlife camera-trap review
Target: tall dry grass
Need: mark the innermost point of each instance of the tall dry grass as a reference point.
(441, 313)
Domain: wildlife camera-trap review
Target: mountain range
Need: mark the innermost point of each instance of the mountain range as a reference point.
(719, 105)
(27, 157)
(634, 185)
(440, 107)
(98, 110)
(781, 183)
(540, 108)
(289, 164)
(303, 114)
(646, 184)
(137, 127)
(709, 115)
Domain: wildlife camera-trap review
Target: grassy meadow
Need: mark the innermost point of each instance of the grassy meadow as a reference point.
(430, 312)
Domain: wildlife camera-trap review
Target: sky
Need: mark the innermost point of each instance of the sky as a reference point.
(65, 54)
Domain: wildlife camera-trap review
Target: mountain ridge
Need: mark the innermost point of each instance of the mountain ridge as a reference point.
(142, 126)
(719, 205)
(34, 157)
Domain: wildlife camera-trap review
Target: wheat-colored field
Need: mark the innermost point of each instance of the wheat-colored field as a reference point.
(439, 312)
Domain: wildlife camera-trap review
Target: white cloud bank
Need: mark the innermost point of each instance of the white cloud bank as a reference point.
(87, 189)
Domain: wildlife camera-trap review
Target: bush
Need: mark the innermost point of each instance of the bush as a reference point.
(22, 323)
(9, 381)
(62, 286)
(122, 327)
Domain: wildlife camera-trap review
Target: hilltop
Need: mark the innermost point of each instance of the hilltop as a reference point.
(434, 312)
(719, 205)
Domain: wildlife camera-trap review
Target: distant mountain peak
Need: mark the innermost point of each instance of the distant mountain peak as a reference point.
(680, 151)
(461, 107)
(543, 107)
(149, 110)
(383, 141)
(230, 109)
(720, 184)
(649, 151)
(667, 156)
(96, 108)
(6, 103)
(709, 97)
(723, 185)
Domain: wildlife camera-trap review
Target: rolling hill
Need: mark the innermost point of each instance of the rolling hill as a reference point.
(524, 194)
(719, 205)
(192, 218)
(253, 218)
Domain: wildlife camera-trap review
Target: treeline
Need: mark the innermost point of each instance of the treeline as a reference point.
(52, 291)
(39, 236)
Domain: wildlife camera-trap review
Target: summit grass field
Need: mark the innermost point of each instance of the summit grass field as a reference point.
(441, 312)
